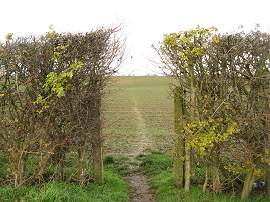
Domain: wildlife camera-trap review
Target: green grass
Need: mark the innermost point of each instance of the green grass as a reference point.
(158, 166)
(114, 189)
(155, 163)
(118, 164)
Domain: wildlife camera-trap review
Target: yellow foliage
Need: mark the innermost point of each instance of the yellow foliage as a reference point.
(216, 39)
(203, 134)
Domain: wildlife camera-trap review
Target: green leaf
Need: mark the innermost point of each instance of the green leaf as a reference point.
(61, 92)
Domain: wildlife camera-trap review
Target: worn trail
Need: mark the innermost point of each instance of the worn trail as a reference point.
(140, 190)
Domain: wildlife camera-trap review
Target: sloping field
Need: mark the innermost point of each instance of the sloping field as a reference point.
(138, 110)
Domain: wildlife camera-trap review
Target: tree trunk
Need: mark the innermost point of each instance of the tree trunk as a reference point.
(97, 154)
(19, 176)
(216, 179)
(187, 169)
(179, 139)
(249, 180)
(215, 171)
(81, 155)
(192, 118)
(59, 160)
(98, 163)
(59, 170)
(206, 180)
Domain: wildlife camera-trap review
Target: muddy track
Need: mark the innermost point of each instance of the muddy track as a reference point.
(140, 190)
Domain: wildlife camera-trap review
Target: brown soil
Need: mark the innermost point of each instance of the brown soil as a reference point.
(139, 188)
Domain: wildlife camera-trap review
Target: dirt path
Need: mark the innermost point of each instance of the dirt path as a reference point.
(143, 141)
(140, 190)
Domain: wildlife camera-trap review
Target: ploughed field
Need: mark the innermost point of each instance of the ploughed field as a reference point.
(138, 107)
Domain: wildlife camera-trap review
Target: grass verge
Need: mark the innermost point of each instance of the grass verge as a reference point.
(114, 189)
(159, 167)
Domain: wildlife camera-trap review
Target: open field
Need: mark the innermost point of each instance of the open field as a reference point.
(138, 108)
(138, 118)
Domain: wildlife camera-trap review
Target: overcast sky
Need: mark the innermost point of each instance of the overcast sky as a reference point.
(145, 21)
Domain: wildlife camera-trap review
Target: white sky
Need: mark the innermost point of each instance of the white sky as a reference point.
(145, 20)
